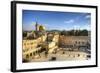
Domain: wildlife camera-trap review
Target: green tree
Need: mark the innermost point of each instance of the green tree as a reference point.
(63, 32)
(24, 34)
(84, 32)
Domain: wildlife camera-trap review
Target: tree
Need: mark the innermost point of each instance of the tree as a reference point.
(63, 32)
(84, 33)
(71, 32)
(24, 34)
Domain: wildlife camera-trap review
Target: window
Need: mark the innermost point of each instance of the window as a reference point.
(78, 55)
(27, 56)
(30, 54)
(82, 42)
(31, 43)
(75, 42)
(34, 53)
(24, 44)
(79, 42)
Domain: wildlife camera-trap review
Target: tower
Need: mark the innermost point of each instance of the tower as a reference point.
(36, 27)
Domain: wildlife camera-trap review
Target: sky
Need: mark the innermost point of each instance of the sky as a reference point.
(56, 20)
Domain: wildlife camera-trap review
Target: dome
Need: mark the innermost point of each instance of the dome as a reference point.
(41, 28)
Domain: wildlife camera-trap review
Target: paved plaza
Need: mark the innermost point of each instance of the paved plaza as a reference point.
(59, 56)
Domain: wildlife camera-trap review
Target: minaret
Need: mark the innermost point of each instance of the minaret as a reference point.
(36, 26)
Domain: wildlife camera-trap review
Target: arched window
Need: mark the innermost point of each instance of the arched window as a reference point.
(75, 42)
(30, 54)
(27, 56)
(34, 53)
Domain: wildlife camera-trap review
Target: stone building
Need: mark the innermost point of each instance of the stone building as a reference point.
(31, 47)
(66, 47)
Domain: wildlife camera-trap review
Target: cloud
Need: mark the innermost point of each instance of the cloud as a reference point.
(69, 21)
(88, 16)
(76, 27)
(29, 27)
(33, 23)
(86, 27)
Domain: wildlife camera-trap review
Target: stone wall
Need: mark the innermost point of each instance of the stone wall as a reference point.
(73, 40)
